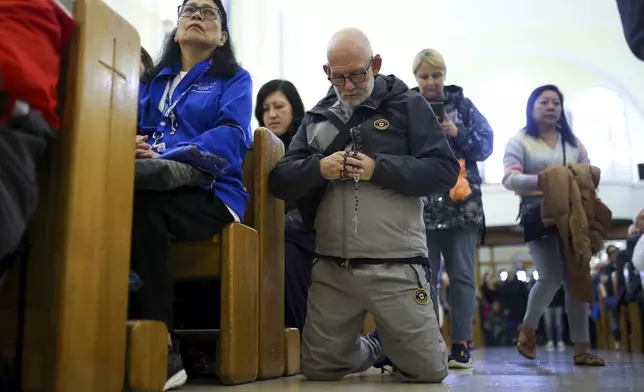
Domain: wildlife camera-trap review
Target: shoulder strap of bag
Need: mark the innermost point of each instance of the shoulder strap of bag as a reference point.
(563, 148)
(344, 131)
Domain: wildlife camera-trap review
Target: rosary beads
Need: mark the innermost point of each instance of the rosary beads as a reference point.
(353, 152)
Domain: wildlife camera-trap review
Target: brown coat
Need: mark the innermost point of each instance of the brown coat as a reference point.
(571, 203)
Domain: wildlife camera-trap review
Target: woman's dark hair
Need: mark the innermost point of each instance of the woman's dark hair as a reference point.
(224, 62)
(532, 129)
(146, 59)
(293, 98)
(611, 247)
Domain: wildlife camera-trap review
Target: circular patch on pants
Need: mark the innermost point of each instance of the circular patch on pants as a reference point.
(421, 296)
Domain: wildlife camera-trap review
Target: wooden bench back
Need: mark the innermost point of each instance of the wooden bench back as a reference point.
(79, 265)
(265, 214)
(263, 154)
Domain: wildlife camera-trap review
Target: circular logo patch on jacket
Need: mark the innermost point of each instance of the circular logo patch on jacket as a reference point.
(421, 296)
(381, 124)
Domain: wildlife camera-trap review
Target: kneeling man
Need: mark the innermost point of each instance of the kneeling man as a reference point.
(358, 167)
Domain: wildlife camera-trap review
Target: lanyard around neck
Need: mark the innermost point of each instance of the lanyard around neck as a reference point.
(168, 114)
(169, 104)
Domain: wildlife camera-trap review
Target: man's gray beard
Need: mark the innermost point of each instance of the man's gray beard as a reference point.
(355, 105)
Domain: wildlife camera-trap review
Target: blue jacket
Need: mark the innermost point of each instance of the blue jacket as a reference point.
(213, 131)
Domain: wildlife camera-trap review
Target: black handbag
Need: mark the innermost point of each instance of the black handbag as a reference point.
(530, 213)
(164, 175)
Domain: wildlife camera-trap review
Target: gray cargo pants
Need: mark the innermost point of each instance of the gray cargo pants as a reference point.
(339, 299)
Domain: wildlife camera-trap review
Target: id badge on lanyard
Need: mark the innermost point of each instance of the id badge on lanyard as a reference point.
(168, 117)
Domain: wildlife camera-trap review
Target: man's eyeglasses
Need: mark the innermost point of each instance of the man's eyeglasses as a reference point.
(207, 12)
(355, 78)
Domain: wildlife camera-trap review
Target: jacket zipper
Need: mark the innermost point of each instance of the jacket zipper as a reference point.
(343, 223)
(346, 262)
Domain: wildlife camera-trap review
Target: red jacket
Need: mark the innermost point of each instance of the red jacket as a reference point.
(32, 36)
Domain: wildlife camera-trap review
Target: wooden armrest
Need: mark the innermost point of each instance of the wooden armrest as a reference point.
(147, 355)
(292, 351)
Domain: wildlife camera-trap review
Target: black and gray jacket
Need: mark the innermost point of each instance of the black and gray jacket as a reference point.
(413, 159)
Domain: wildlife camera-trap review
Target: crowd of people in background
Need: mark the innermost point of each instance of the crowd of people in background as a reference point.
(502, 303)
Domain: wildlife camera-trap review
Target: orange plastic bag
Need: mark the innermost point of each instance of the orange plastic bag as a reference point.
(462, 189)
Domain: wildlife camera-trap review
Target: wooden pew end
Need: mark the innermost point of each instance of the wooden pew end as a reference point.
(624, 328)
(266, 215)
(239, 334)
(147, 356)
(636, 327)
(292, 351)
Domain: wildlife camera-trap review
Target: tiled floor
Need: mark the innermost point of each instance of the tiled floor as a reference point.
(498, 370)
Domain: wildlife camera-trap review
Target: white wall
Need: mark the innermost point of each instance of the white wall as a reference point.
(498, 50)
(147, 17)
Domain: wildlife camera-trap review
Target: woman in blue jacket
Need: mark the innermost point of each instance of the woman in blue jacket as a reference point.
(195, 107)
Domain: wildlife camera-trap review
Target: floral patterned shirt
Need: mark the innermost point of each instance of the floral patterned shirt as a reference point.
(473, 143)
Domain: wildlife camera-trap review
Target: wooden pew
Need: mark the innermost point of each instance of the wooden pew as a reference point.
(636, 327)
(624, 333)
(147, 356)
(604, 338)
(265, 214)
(250, 264)
(78, 268)
(600, 330)
(292, 352)
(233, 258)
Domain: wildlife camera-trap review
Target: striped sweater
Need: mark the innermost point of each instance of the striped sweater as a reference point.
(525, 157)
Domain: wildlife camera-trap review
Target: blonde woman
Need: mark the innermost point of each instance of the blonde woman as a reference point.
(453, 225)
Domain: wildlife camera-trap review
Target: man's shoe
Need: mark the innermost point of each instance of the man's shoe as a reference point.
(382, 361)
(459, 357)
(177, 375)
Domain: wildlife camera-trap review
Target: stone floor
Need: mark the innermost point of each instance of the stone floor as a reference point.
(497, 370)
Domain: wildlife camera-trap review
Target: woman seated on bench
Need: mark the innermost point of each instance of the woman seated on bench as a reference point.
(195, 107)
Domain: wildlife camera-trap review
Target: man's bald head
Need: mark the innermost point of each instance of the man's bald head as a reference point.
(350, 42)
(351, 66)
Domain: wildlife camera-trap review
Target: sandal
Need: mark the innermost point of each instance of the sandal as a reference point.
(588, 359)
(527, 342)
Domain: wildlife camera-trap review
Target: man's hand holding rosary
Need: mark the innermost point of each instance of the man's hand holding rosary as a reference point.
(345, 165)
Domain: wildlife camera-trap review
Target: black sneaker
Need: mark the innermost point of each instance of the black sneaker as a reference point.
(459, 357)
(177, 375)
(382, 361)
(135, 282)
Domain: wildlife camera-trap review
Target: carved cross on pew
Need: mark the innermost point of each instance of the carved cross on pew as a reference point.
(115, 72)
